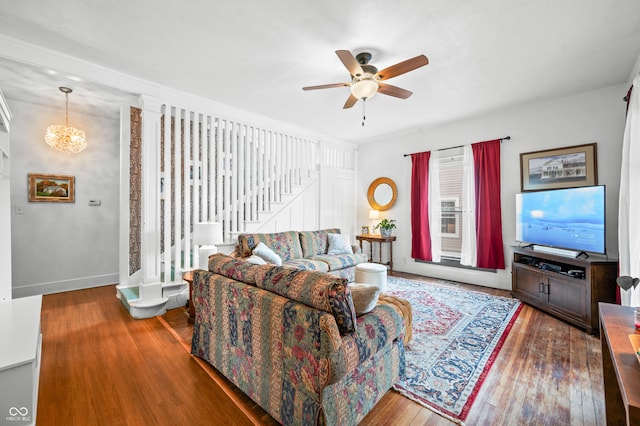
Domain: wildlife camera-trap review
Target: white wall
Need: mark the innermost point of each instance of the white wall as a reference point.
(635, 71)
(594, 116)
(63, 246)
(337, 200)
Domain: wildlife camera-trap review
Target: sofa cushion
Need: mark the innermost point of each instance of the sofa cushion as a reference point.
(316, 289)
(307, 265)
(285, 244)
(348, 274)
(316, 242)
(341, 261)
(237, 269)
(365, 297)
(267, 254)
(256, 260)
(339, 244)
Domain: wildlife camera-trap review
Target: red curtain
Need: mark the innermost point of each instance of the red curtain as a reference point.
(486, 159)
(420, 235)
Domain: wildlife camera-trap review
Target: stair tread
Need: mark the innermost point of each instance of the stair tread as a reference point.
(173, 284)
(130, 293)
(148, 303)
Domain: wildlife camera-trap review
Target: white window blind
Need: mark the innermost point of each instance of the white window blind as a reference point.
(451, 168)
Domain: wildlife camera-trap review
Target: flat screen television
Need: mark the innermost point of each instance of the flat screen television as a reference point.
(572, 218)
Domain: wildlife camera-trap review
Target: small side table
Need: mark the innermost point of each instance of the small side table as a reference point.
(188, 277)
(375, 238)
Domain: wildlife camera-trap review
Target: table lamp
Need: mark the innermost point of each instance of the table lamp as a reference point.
(206, 235)
(373, 215)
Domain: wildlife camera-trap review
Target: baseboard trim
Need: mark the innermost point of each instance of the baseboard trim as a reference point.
(66, 285)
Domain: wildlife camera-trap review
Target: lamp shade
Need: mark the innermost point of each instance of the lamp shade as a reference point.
(374, 214)
(207, 233)
(364, 89)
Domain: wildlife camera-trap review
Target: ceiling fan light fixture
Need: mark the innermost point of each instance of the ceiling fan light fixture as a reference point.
(364, 89)
(66, 138)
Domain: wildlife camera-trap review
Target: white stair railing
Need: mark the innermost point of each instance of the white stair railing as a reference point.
(219, 170)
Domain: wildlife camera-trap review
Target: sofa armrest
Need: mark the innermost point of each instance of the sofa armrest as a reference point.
(403, 307)
(375, 330)
(236, 253)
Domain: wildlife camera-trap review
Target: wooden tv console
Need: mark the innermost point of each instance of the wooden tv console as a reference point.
(544, 280)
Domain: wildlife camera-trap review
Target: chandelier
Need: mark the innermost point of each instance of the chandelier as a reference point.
(65, 138)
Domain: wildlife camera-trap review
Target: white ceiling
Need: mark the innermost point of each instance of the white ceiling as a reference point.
(257, 55)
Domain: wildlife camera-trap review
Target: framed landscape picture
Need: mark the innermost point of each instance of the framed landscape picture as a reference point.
(52, 188)
(559, 168)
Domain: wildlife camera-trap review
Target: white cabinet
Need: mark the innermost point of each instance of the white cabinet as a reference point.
(20, 359)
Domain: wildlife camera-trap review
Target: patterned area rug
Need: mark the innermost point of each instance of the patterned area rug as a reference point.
(457, 335)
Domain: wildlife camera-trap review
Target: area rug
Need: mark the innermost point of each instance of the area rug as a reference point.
(457, 335)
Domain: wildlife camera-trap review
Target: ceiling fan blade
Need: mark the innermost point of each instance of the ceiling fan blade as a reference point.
(350, 62)
(390, 90)
(402, 67)
(350, 102)
(325, 86)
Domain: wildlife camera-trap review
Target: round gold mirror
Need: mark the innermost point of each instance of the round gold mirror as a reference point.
(382, 194)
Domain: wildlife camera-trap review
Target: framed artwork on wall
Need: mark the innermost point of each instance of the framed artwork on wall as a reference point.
(559, 168)
(52, 188)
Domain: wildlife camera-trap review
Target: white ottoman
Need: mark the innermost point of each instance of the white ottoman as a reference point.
(372, 273)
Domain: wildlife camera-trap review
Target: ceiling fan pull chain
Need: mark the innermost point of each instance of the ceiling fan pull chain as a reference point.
(364, 102)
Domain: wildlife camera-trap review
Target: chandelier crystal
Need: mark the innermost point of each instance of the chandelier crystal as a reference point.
(66, 138)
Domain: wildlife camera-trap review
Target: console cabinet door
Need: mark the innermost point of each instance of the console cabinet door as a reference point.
(527, 284)
(567, 296)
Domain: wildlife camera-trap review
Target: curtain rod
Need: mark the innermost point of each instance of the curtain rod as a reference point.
(506, 138)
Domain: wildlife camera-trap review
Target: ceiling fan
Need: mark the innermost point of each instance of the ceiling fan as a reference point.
(366, 79)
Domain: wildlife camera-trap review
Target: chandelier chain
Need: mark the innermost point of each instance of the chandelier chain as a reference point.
(66, 110)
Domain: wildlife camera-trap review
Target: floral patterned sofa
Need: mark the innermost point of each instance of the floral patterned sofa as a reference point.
(291, 341)
(306, 250)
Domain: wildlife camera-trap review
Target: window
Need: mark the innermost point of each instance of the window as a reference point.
(450, 212)
(470, 174)
(451, 167)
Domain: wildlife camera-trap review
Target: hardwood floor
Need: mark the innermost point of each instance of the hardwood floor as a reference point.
(100, 366)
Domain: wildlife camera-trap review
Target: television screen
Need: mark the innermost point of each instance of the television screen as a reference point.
(572, 218)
